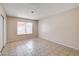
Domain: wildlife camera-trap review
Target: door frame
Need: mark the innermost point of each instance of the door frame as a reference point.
(2, 32)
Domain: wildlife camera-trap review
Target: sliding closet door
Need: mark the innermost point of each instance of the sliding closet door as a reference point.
(1, 32)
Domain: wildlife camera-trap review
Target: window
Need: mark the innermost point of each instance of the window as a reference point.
(24, 28)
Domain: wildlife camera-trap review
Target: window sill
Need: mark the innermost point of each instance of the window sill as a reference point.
(24, 34)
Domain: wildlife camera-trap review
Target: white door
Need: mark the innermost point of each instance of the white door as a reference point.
(1, 32)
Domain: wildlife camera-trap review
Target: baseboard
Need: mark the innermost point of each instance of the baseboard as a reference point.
(20, 40)
(60, 44)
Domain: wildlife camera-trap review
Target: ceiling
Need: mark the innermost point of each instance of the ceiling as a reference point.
(36, 11)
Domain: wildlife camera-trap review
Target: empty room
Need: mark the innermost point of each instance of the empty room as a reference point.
(39, 29)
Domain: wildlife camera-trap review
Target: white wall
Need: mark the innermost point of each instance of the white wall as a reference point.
(12, 29)
(2, 12)
(62, 28)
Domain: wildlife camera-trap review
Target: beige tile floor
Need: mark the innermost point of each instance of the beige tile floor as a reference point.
(37, 47)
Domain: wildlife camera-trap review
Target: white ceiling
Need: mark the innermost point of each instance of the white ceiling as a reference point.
(41, 10)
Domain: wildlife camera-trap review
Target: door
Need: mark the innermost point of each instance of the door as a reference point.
(1, 33)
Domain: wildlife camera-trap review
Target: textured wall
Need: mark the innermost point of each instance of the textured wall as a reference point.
(62, 28)
(12, 29)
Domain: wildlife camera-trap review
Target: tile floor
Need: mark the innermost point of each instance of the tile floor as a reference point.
(37, 47)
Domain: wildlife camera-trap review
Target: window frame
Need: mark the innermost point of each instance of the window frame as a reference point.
(25, 28)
